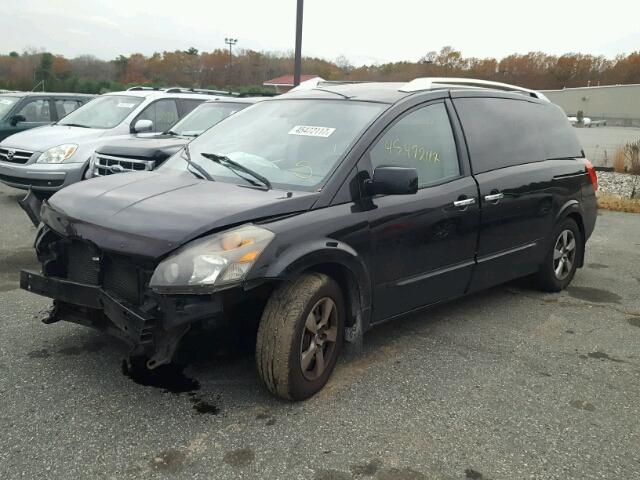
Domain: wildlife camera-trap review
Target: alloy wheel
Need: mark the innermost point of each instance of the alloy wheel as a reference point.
(564, 254)
(318, 343)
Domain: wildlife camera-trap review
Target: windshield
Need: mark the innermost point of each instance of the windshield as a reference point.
(6, 104)
(205, 116)
(292, 143)
(102, 112)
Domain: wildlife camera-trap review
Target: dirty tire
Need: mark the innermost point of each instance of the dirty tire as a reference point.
(281, 330)
(546, 279)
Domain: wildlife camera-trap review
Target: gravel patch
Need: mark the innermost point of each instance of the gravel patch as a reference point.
(620, 185)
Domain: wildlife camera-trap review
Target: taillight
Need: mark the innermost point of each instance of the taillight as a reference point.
(592, 174)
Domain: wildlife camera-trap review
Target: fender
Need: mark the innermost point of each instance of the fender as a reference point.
(291, 261)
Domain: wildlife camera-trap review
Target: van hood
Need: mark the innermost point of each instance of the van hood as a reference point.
(149, 214)
(157, 147)
(43, 138)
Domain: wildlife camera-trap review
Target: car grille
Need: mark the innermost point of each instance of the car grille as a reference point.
(15, 156)
(83, 263)
(87, 265)
(121, 280)
(107, 165)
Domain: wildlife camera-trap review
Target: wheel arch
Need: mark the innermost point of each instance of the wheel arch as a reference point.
(336, 260)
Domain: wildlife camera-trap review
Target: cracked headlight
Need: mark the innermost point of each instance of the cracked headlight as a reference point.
(212, 262)
(58, 154)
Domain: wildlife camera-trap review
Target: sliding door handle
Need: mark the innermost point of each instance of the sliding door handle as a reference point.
(465, 202)
(494, 197)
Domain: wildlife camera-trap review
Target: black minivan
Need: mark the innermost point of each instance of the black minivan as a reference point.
(322, 213)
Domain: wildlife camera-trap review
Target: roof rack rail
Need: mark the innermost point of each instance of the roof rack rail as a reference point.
(140, 87)
(427, 83)
(256, 94)
(202, 91)
(341, 82)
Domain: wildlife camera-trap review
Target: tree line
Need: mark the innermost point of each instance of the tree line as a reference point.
(249, 69)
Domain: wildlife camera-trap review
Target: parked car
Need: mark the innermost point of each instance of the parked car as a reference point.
(21, 111)
(323, 213)
(148, 152)
(52, 157)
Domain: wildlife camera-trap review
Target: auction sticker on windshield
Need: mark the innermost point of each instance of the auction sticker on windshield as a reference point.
(126, 105)
(308, 131)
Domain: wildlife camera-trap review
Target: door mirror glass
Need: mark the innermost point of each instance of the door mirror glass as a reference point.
(16, 119)
(142, 126)
(393, 181)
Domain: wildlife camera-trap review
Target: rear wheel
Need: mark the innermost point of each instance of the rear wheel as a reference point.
(561, 261)
(300, 336)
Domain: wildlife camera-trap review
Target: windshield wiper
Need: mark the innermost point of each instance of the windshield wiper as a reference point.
(203, 173)
(172, 132)
(73, 125)
(235, 167)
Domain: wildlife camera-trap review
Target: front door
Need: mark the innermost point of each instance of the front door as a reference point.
(423, 245)
(36, 112)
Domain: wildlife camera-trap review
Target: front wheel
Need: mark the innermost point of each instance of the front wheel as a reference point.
(561, 261)
(300, 336)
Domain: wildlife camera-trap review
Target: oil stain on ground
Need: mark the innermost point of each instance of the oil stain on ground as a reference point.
(366, 469)
(634, 321)
(601, 356)
(597, 266)
(591, 294)
(169, 461)
(169, 377)
(582, 405)
(270, 420)
(202, 407)
(474, 474)
(42, 353)
(90, 347)
(239, 458)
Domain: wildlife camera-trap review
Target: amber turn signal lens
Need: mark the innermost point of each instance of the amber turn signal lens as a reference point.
(248, 257)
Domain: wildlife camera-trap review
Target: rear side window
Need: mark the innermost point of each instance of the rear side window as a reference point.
(503, 132)
(187, 106)
(65, 106)
(163, 114)
(423, 140)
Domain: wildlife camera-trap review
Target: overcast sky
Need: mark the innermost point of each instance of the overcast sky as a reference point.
(365, 31)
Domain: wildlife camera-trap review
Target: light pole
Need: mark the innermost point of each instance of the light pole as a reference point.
(297, 65)
(231, 42)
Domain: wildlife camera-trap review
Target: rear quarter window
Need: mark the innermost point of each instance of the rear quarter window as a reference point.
(503, 132)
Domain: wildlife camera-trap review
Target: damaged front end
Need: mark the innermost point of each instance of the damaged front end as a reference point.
(110, 292)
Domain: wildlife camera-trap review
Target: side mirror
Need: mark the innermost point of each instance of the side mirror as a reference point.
(142, 126)
(16, 119)
(393, 181)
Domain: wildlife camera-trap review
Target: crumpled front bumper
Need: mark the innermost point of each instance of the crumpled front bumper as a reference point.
(135, 325)
(153, 336)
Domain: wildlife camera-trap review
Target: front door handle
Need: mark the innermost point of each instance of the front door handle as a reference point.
(494, 197)
(465, 202)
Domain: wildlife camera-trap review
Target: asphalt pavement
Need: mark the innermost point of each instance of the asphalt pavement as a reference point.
(505, 384)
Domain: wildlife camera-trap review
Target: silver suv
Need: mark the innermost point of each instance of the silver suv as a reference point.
(48, 158)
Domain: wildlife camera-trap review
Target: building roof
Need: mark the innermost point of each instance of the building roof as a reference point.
(287, 80)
